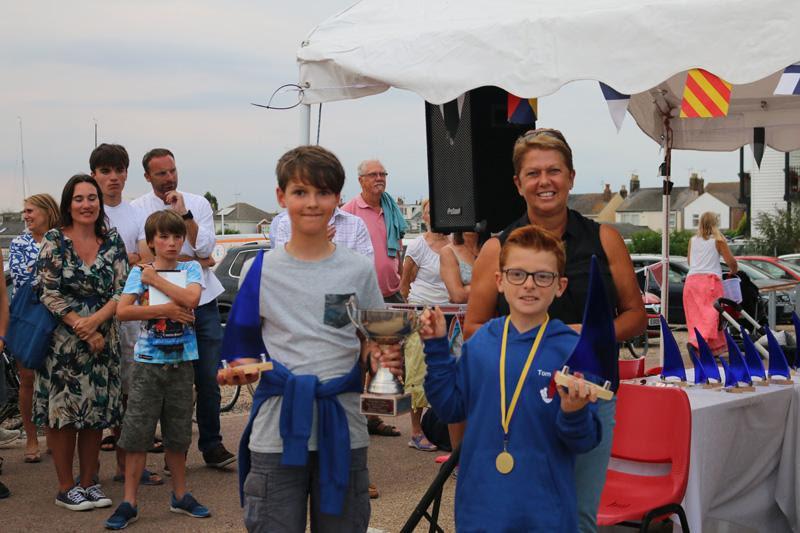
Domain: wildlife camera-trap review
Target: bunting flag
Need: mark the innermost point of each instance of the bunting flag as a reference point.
(790, 80)
(777, 359)
(699, 375)
(673, 362)
(705, 95)
(738, 367)
(796, 322)
(522, 110)
(617, 104)
(752, 358)
(707, 360)
(596, 353)
(759, 135)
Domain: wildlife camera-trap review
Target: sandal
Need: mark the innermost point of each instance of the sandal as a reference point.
(108, 444)
(148, 478)
(376, 426)
(32, 457)
(158, 446)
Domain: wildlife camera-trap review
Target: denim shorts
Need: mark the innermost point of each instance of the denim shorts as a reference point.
(159, 392)
(276, 497)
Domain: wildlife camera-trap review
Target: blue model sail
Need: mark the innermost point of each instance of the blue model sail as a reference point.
(730, 378)
(796, 322)
(596, 353)
(707, 360)
(752, 357)
(243, 330)
(673, 362)
(699, 375)
(777, 359)
(737, 364)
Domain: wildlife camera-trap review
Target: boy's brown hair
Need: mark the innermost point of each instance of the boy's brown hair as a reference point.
(313, 165)
(538, 239)
(166, 221)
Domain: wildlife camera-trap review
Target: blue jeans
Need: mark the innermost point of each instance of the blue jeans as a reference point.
(209, 340)
(590, 469)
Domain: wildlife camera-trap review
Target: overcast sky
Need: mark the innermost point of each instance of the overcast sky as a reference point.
(182, 75)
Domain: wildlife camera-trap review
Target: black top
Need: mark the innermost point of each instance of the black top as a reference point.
(581, 240)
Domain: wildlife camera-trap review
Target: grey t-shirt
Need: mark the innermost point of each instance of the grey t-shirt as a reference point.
(305, 327)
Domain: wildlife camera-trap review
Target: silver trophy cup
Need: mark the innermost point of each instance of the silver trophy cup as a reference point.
(384, 326)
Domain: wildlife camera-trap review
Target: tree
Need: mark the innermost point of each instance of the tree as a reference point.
(212, 200)
(780, 232)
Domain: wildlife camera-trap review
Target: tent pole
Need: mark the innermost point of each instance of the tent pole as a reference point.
(305, 124)
(666, 172)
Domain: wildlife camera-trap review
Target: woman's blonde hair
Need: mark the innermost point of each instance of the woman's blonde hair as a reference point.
(541, 139)
(46, 203)
(709, 226)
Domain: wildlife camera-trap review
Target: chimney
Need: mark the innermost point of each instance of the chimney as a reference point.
(623, 192)
(701, 185)
(634, 183)
(693, 179)
(607, 193)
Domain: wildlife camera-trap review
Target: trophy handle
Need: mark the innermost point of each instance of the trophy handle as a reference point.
(351, 306)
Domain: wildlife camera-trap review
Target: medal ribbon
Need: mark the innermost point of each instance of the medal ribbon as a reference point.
(505, 417)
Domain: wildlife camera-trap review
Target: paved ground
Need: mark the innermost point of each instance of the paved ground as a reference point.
(402, 476)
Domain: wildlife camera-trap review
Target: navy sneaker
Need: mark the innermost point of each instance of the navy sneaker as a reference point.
(188, 506)
(74, 499)
(124, 515)
(95, 495)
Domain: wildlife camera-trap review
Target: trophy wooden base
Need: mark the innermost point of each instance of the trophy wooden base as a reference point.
(780, 381)
(675, 383)
(712, 385)
(385, 404)
(564, 380)
(745, 388)
(761, 383)
(255, 368)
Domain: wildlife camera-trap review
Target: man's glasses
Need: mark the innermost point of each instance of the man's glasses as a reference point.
(517, 276)
(374, 175)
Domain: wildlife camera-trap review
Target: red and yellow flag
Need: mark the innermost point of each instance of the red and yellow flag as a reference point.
(705, 95)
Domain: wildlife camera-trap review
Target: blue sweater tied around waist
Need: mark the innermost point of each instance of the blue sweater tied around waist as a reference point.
(333, 432)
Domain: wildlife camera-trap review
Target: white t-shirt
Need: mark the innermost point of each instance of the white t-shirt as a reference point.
(428, 287)
(129, 221)
(704, 257)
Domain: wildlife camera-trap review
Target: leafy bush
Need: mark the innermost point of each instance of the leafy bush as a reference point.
(679, 242)
(780, 232)
(646, 242)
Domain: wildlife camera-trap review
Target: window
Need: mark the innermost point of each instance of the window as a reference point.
(673, 220)
(239, 261)
(695, 220)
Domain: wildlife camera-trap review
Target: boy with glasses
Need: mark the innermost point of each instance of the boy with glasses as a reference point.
(521, 440)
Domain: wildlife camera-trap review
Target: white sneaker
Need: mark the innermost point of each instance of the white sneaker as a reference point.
(74, 499)
(8, 436)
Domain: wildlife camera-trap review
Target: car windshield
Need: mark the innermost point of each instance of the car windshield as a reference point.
(794, 267)
(753, 272)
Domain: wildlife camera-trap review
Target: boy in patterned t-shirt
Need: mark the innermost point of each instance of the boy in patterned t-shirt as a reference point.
(163, 374)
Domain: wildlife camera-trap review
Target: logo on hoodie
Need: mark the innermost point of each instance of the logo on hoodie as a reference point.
(545, 393)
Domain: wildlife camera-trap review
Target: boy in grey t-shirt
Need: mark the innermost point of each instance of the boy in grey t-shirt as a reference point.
(305, 432)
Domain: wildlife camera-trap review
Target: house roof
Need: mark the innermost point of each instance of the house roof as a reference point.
(588, 203)
(627, 230)
(9, 230)
(726, 192)
(244, 211)
(649, 199)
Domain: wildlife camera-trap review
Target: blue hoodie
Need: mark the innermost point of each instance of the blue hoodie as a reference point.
(539, 493)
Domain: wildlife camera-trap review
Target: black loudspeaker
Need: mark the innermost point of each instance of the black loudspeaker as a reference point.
(470, 173)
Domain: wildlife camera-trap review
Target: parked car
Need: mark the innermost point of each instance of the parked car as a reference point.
(794, 259)
(228, 271)
(773, 266)
(679, 269)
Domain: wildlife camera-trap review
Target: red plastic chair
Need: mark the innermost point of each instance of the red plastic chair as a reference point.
(631, 368)
(654, 425)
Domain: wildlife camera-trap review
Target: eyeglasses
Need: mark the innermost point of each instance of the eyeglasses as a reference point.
(374, 175)
(517, 276)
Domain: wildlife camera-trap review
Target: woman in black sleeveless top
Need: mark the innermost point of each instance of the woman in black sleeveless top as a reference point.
(544, 176)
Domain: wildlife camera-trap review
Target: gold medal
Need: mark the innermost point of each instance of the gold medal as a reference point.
(504, 462)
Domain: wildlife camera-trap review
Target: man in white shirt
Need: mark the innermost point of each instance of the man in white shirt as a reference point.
(109, 166)
(344, 229)
(161, 173)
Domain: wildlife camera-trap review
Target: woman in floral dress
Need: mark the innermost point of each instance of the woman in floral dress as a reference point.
(82, 268)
